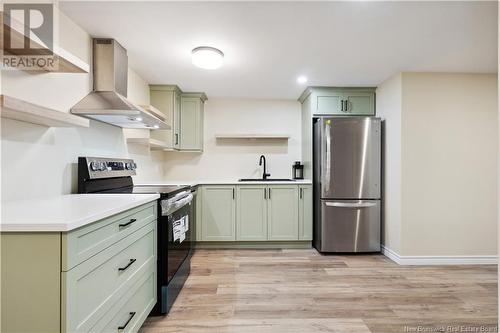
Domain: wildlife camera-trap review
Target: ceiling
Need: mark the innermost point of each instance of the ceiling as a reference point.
(267, 45)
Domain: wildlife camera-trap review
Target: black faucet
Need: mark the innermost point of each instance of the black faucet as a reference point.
(264, 174)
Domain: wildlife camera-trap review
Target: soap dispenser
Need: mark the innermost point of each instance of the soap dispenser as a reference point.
(297, 171)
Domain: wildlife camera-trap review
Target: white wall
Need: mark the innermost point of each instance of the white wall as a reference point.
(389, 109)
(234, 159)
(39, 161)
(447, 164)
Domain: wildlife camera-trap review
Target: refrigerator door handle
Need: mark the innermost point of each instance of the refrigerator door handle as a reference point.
(350, 205)
(328, 158)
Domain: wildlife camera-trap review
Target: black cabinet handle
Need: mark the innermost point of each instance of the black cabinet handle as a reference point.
(346, 105)
(233, 193)
(127, 224)
(300, 192)
(128, 265)
(341, 105)
(176, 139)
(131, 314)
(265, 194)
(269, 193)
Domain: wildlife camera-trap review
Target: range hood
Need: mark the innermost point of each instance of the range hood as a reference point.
(108, 100)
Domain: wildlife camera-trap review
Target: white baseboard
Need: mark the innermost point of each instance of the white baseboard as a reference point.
(439, 260)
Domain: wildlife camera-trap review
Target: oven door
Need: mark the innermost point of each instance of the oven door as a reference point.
(179, 248)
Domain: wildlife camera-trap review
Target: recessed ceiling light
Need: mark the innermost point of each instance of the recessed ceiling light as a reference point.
(207, 57)
(302, 79)
(156, 126)
(138, 119)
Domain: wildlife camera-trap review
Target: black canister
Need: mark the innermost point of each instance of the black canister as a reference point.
(297, 171)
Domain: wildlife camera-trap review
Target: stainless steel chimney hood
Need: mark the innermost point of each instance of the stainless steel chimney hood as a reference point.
(107, 102)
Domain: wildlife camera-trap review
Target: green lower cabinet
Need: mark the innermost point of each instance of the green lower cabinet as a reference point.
(247, 213)
(50, 284)
(251, 213)
(282, 212)
(305, 212)
(218, 211)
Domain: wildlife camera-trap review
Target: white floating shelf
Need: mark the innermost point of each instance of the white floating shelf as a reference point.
(67, 62)
(154, 111)
(253, 136)
(153, 144)
(17, 109)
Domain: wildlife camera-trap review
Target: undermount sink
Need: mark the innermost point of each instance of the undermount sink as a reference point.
(266, 180)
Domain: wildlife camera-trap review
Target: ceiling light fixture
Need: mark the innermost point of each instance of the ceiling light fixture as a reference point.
(207, 57)
(302, 79)
(138, 119)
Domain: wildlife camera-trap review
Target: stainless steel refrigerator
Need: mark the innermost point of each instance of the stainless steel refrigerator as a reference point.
(347, 181)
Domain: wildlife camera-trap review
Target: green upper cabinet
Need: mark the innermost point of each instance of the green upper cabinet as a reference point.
(191, 123)
(328, 102)
(282, 212)
(359, 103)
(305, 212)
(176, 126)
(184, 112)
(218, 210)
(251, 213)
(167, 99)
(340, 101)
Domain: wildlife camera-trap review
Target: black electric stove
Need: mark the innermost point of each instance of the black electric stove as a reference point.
(114, 175)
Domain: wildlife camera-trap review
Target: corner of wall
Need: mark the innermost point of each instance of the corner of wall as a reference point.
(388, 106)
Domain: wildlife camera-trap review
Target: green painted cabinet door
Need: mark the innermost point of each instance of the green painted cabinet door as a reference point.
(218, 210)
(359, 103)
(251, 213)
(305, 212)
(191, 123)
(177, 120)
(328, 102)
(282, 212)
(167, 99)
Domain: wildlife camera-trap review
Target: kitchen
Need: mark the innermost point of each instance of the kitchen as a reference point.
(438, 178)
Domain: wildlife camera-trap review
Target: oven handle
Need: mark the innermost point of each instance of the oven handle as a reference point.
(170, 206)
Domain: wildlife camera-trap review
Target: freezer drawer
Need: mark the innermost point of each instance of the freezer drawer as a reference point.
(349, 226)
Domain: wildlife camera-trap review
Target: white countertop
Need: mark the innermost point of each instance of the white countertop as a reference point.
(222, 182)
(66, 212)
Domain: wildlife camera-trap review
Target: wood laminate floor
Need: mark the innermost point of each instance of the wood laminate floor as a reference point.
(261, 291)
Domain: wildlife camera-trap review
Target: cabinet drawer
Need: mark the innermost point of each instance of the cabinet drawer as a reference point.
(81, 244)
(128, 314)
(91, 288)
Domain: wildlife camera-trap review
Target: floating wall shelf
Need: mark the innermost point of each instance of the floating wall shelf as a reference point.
(153, 144)
(68, 63)
(17, 109)
(154, 111)
(253, 136)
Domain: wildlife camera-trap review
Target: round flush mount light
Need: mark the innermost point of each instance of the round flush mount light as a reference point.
(302, 79)
(207, 57)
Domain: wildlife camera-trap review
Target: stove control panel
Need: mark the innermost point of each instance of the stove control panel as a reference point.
(100, 167)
